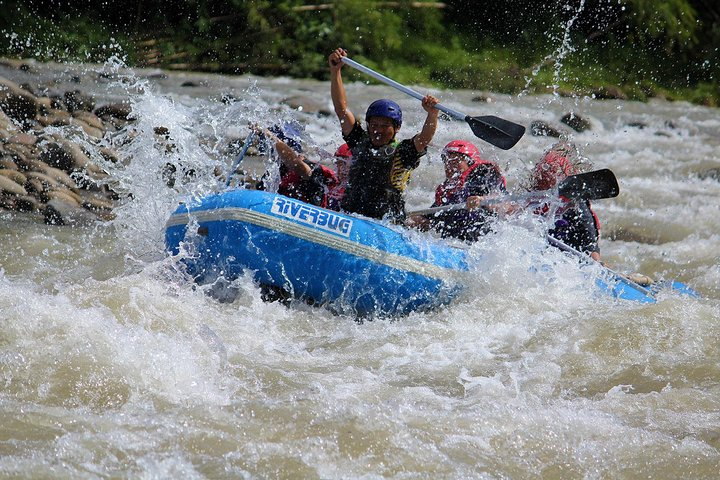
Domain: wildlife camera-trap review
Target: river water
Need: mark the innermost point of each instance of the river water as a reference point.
(114, 365)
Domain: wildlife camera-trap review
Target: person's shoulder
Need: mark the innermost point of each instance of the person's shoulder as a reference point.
(355, 135)
(406, 148)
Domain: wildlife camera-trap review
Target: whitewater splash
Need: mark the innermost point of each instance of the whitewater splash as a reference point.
(114, 363)
(565, 49)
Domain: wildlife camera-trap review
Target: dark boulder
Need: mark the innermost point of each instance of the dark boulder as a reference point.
(609, 93)
(78, 100)
(121, 110)
(18, 104)
(59, 212)
(576, 122)
(538, 128)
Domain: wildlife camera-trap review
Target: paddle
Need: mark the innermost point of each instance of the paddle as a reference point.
(585, 186)
(650, 290)
(587, 259)
(496, 131)
(239, 158)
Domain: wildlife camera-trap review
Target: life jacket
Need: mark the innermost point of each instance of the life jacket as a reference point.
(482, 178)
(376, 182)
(312, 190)
(453, 191)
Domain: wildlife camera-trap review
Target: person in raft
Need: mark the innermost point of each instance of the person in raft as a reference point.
(343, 162)
(574, 222)
(381, 164)
(466, 174)
(299, 178)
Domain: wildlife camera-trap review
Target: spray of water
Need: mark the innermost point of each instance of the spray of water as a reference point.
(557, 57)
(528, 373)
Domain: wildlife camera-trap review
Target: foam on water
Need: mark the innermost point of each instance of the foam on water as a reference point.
(113, 363)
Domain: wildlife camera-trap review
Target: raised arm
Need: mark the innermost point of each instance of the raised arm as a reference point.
(290, 158)
(423, 139)
(337, 91)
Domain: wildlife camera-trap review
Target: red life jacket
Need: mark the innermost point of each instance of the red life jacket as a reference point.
(307, 190)
(452, 191)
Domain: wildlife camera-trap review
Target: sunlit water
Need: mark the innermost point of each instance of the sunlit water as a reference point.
(113, 364)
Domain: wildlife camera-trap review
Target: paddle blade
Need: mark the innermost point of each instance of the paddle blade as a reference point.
(497, 131)
(590, 185)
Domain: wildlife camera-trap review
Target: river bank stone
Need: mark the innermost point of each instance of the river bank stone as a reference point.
(11, 187)
(120, 110)
(609, 93)
(78, 100)
(47, 144)
(14, 175)
(59, 212)
(576, 122)
(17, 103)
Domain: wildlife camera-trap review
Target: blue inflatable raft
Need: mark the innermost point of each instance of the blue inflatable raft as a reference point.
(352, 265)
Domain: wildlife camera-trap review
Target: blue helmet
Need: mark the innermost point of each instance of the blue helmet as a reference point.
(385, 108)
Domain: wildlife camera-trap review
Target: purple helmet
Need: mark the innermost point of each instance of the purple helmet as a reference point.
(385, 108)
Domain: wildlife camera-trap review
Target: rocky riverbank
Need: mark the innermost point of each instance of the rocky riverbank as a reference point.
(51, 149)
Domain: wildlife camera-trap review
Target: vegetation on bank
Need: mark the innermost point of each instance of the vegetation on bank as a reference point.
(619, 48)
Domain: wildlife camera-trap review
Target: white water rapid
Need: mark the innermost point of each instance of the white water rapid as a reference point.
(113, 365)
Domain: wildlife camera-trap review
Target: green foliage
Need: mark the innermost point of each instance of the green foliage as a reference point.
(646, 47)
(367, 31)
(673, 22)
(68, 38)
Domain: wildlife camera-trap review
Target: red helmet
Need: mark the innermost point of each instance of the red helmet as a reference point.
(343, 151)
(557, 164)
(465, 148)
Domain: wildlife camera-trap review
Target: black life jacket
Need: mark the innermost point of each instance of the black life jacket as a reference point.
(376, 182)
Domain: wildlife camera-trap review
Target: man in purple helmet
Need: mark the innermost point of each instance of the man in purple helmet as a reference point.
(382, 164)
